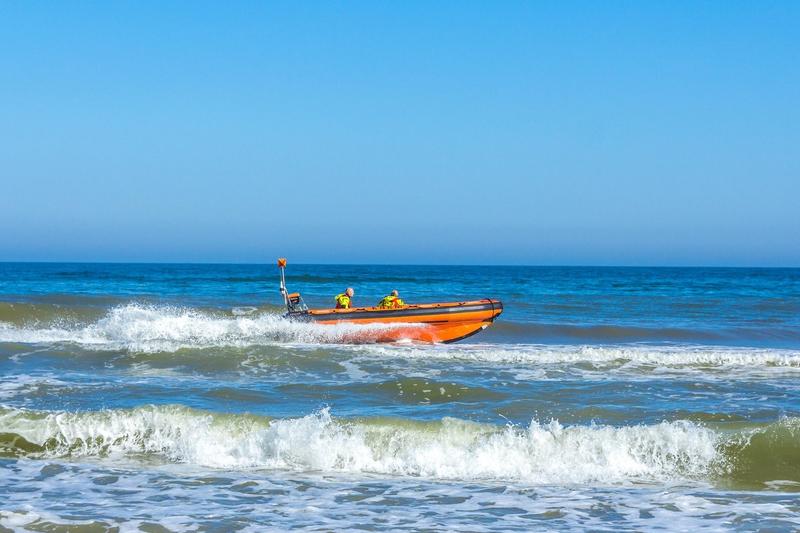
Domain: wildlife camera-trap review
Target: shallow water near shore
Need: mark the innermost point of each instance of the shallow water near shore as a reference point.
(133, 396)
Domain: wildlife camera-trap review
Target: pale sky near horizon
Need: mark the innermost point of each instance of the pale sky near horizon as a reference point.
(624, 133)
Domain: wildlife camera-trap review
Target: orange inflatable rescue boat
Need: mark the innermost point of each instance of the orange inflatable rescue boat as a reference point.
(433, 323)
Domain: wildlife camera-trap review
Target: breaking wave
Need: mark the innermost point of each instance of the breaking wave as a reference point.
(542, 453)
(602, 356)
(146, 328)
(140, 328)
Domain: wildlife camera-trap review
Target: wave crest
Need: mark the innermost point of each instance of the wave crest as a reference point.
(450, 448)
(146, 328)
(600, 357)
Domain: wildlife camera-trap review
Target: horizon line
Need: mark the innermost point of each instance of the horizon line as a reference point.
(553, 265)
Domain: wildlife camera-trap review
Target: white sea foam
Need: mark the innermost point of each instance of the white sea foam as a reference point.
(598, 356)
(182, 498)
(158, 328)
(542, 453)
(143, 328)
(320, 473)
(21, 384)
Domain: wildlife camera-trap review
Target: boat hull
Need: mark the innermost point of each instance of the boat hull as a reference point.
(430, 323)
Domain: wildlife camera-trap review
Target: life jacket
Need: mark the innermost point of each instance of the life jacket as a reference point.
(342, 301)
(390, 302)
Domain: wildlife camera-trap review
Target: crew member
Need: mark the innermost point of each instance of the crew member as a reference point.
(343, 300)
(392, 301)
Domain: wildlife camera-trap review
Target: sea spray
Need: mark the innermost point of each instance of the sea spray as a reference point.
(148, 328)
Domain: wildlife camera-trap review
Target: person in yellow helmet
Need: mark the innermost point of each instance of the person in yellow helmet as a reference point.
(392, 301)
(343, 300)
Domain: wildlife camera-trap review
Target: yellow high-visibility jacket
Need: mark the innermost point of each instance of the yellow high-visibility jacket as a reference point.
(342, 301)
(391, 302)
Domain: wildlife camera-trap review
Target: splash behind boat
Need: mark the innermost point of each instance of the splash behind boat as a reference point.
(434, 322)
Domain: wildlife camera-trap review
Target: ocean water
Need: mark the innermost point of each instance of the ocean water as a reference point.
(175, 397)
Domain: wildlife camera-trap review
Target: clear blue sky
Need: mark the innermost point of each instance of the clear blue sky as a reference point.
(633, 133)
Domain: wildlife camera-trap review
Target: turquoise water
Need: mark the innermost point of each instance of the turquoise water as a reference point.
(603, 398)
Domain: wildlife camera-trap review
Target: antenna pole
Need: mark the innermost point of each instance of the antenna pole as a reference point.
(282, 267)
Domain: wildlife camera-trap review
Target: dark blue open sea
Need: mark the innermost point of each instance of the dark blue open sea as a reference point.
(175, 398)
